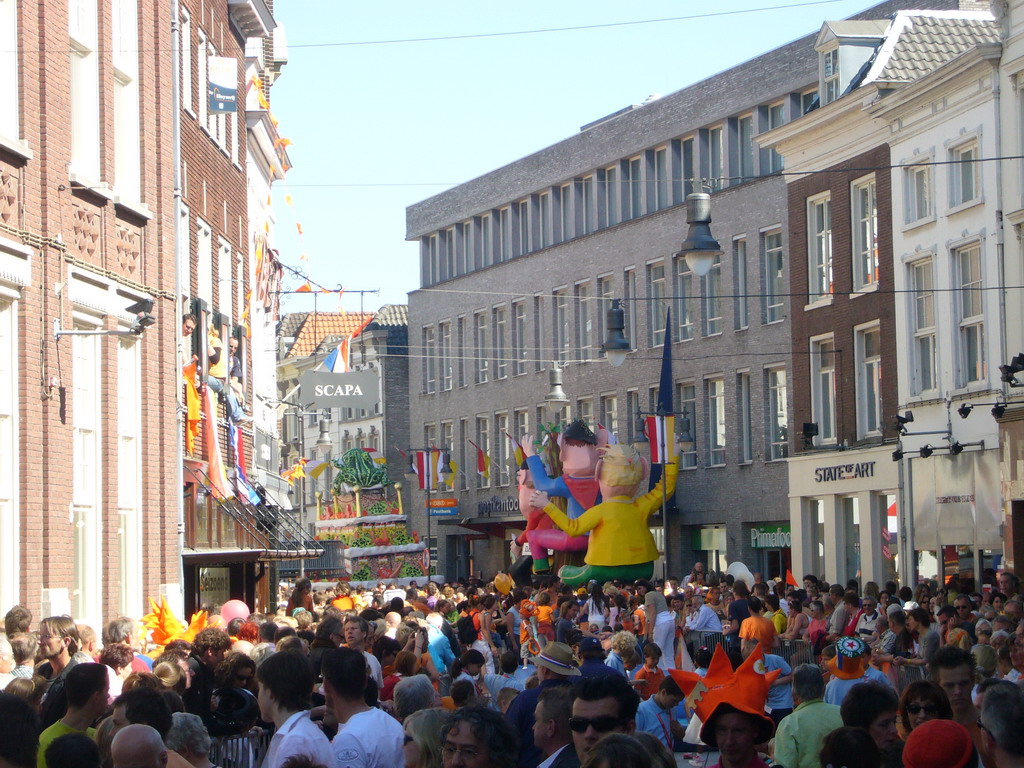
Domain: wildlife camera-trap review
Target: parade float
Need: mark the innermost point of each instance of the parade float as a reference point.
(364, 521)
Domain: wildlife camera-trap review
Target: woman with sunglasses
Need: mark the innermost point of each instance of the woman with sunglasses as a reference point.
(922, 700)
(797, 623)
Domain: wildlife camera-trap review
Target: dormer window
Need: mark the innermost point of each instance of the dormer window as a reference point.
(830, 76)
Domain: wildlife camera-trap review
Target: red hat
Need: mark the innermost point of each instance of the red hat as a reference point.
(723, 690)
(943, 743)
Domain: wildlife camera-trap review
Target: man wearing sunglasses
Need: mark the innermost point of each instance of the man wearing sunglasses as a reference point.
(601, 705)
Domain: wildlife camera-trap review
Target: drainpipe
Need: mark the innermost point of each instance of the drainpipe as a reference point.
(179, 440)
(993, 52)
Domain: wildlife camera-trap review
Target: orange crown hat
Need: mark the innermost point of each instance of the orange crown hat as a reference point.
(724, 690)
(849, 661)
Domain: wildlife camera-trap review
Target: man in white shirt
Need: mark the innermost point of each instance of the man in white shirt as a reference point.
(367, 737)
(286, 681)
(357, 630)
(703, 617)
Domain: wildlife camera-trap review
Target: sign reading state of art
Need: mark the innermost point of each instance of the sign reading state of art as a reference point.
(355, 389)
(771, 536)
(844, 472)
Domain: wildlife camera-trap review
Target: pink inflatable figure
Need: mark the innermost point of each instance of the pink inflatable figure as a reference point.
(541, 533)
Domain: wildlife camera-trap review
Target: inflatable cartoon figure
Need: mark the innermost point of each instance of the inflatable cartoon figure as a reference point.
(621, 545)
(541, 532)
(578, 453)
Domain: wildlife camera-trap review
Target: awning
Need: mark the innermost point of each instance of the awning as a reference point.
(273, 534)
(275, 488)
(492, 526)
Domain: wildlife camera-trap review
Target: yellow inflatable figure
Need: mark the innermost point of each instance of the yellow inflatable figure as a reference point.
(621, 545)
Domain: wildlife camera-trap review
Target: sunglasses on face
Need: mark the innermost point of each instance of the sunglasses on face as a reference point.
(601, 724)
(916, 709)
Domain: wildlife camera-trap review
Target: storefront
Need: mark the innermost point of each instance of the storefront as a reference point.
(1011, 472)
(842, 514)
(773, 543)
(709, 544)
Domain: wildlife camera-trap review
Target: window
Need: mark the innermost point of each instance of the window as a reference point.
(712, 283)
(462, 351)
(662, 179)
(778, 433)
(745, 135)
(85, 90)
(10, 125)
(865, 233)
(774, 280)
(684, 303)
(539, 339)
(918, 192)
(922, 282)
(447, 254)
(657, 295)
(739, 283)
(203, 77)
(500, 333)
(633, 187)
(505, 234)
(972, 321)
(544, 218)
(605, 287)
(125, 56)
(445, 355)
(483, 442)
(716, 158)
(522, 422)
(776, 118)
(613, 204)
(519, 337)
(869, 381)
(584, 322)
(686, 399)
(563, 333)
(463, 452)
(483, 352)
(224, 278)
(486, 255)
(688, 174)
(585, 410)
(715, 408)
(129, 477)
(823, 389)
(430, 267)
(963, 176)
(499, 458)
(807, 99)
(589, 203)
(429, 361)
(186, 62)
(87, 470)
(523, 217)
(630, 295)
(633, 415)
(204, 263)
(184, 241)
(10, 517)
(819, 232)
(469, 250)
(830, 76)
(610, 413)
(567, 230)
(746, 437)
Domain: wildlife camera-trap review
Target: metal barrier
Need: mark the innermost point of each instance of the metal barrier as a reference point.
(907, 674)
(795, 652)
(704, 638)
(244, 751)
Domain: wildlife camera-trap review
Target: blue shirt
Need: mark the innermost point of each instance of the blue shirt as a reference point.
(779, 696)
(554, 486)
(615, 662)
(652, 719)
(836, 689)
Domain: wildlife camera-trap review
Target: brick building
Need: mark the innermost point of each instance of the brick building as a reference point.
(87, 420)
(518, 266)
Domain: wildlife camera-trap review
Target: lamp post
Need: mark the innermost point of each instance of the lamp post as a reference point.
(323, 444)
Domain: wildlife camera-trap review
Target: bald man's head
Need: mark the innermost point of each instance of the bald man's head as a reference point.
(138, 746)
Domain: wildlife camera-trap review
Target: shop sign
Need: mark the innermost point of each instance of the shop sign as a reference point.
(214, 585)
(771, 537)
(354, 389)
(443, 507)
(222, 72)
(498, 506)
(844, 472)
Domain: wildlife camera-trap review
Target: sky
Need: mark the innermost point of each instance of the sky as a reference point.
(377, 126)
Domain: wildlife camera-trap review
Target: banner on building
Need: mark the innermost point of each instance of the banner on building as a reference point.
(355, 389)
(223, 87)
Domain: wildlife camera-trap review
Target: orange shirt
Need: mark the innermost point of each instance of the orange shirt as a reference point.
(544, 613)
(761, 629)
(344, 603)
(641, 621)
(652, 679)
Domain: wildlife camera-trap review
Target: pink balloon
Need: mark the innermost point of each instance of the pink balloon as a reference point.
(234, 609)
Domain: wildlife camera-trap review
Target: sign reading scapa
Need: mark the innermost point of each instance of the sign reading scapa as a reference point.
(355, 389)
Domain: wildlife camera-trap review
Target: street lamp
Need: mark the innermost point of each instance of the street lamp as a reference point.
(700, 248)
(556, 399)
(323, 442)
(616, 345)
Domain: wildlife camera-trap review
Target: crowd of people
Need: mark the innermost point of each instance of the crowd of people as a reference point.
(747, 671)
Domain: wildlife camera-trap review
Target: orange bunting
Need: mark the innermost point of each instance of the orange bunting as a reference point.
(295, 471)
(304, 288)
(288, 200)
(303, 256)
(298, 226)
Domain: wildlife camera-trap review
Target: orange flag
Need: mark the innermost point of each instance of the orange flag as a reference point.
(304, 288)
(790, 579)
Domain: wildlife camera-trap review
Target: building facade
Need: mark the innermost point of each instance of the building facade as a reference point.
(883, 328)
(518, 268)
(87, 414)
